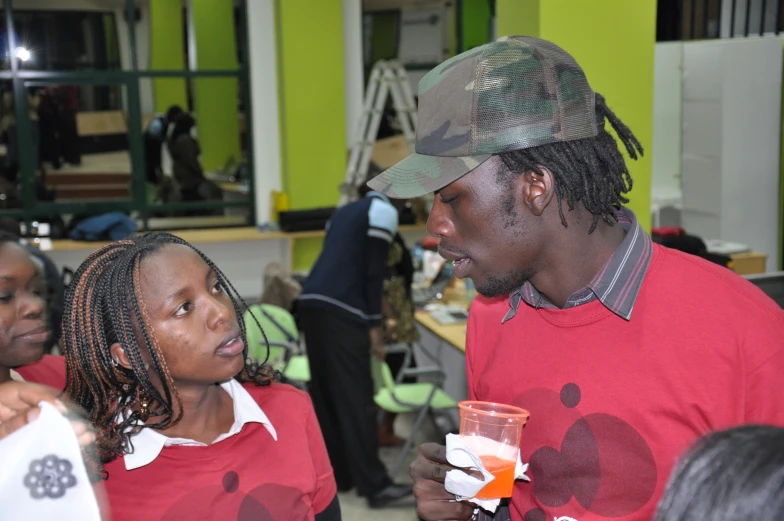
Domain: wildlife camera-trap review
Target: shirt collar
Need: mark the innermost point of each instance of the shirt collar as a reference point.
(618, 282)
(377, 195)
(148, 444)
(16, 377)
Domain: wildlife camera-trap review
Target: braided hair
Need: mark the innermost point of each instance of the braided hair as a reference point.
(104, 305)
(590, 170)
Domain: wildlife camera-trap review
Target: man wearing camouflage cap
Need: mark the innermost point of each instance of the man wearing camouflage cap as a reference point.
(529, 202)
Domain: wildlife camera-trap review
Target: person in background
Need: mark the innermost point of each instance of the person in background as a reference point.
(340, 315)
(187, 426)
(399, 324)
(623, 351)
(24, 332)
(8, 136)
(155, 138)
(735, 474)
(186, 167)
(67, 103)
(49, 126)
(10, 129)
(54, 290)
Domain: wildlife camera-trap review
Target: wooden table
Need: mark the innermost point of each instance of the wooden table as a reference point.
(453, 334)
(446, 344)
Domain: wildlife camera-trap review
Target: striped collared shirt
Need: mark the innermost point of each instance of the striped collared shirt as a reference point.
(617, 283)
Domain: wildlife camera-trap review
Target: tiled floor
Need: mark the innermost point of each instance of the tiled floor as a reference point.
(356, 509)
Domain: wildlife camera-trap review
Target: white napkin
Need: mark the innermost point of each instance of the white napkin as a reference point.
(465, 487)
(42, 474)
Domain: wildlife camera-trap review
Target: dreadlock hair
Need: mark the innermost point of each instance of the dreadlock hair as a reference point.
(589, 170)
(104, 305)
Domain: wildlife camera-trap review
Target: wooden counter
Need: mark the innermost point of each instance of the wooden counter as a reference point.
(247, 233)
(193, 236)
(215, 235)
(453, 334)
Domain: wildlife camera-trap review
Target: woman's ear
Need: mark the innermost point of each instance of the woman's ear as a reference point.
(118, 356)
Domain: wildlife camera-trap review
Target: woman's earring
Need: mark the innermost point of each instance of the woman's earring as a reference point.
(144, 406)
(115, 362)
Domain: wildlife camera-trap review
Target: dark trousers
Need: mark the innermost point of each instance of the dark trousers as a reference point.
(341, 387)
(69, 138)
(49, 145)
(152, 158)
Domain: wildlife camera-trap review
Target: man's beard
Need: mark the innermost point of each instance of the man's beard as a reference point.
(496, 286)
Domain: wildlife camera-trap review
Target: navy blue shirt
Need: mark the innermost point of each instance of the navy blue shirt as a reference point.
(348, 277)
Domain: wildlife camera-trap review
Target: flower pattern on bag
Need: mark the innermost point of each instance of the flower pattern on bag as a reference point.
(49, 477)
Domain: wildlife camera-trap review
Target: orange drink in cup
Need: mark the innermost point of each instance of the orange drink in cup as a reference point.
(492, 432)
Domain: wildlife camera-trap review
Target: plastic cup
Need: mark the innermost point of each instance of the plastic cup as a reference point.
(492, 431)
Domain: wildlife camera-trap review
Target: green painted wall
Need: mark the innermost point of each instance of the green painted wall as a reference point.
(312, 108)
(613, 40)
(215, 99)
(475, 23)
(167, 52)
(518, 17)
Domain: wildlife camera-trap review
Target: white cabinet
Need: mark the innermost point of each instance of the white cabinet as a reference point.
(731, 140)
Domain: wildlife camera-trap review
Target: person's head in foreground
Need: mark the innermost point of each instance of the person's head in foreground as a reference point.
(515, 144)
(23, 326)
(731, 475)
(152, 322)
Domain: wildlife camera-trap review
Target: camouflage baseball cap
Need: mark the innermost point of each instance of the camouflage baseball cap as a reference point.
(517, 92)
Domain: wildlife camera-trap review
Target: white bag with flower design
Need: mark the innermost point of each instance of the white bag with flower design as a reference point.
(42, 474)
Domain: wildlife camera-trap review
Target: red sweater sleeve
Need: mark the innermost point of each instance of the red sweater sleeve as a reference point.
(326, 488)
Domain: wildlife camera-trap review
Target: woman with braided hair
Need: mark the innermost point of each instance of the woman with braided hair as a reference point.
(187, 426)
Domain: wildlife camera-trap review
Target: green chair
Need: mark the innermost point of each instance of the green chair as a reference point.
(422, 398)
(150, 191)
(285, 353)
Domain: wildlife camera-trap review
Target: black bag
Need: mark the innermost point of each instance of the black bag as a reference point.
(305, 220)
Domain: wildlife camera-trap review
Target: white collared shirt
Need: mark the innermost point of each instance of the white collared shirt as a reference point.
(148, 444)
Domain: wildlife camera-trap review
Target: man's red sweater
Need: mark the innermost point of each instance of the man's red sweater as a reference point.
(614, 403)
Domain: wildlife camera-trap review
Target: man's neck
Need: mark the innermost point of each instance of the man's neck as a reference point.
(207, 412)
(571, 263)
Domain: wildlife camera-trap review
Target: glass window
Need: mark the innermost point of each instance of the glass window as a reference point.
(381, 35)
(94, 137)
(9, 196)
(80, 141)
(204, 156)
(67, 40)
(203, 35)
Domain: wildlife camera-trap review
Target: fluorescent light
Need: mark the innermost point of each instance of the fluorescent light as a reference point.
(22, 53)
